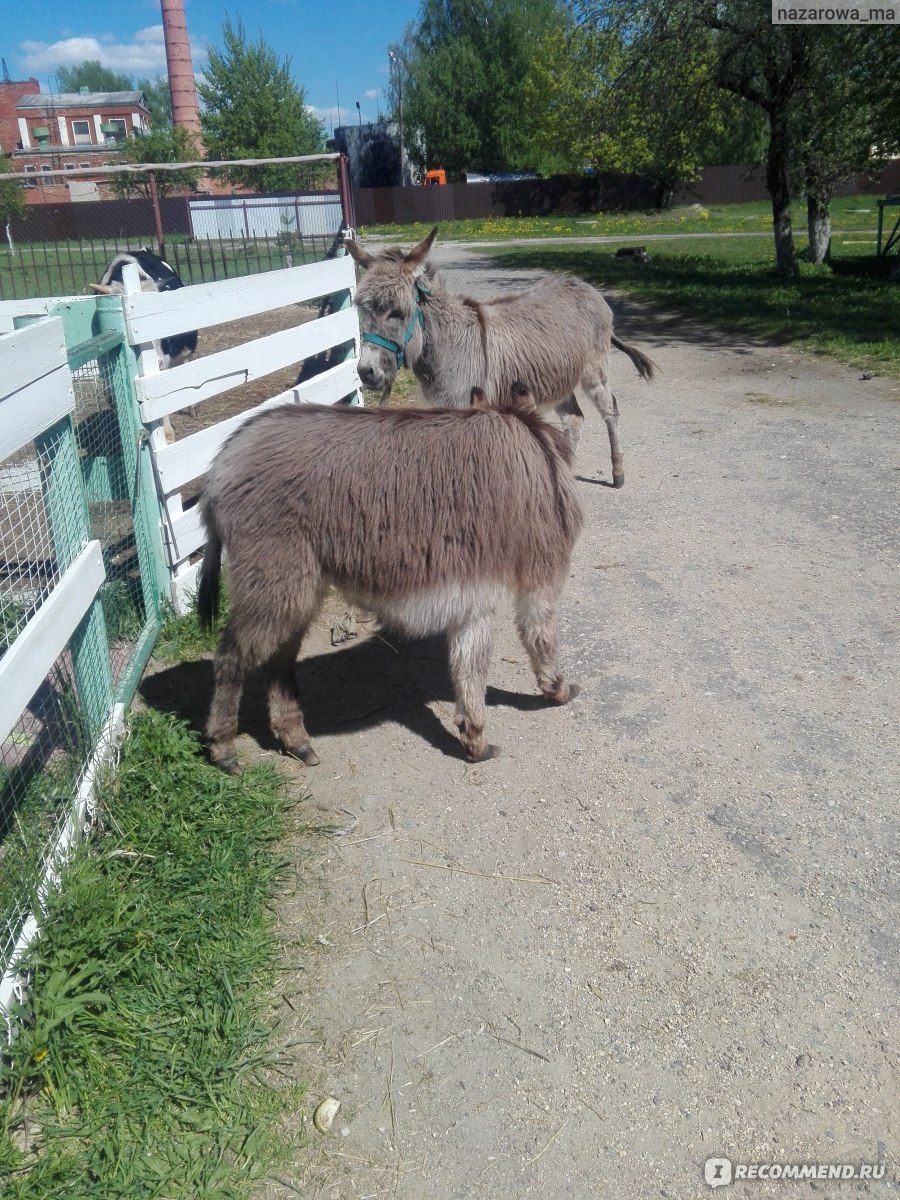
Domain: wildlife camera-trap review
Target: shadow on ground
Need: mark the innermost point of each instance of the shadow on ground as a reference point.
(356, 687)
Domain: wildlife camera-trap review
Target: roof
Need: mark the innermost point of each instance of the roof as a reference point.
(42, 101)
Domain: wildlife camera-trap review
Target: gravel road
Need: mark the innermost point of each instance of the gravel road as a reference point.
(664, 925)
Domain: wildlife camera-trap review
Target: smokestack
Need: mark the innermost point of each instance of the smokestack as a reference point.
(181, 70)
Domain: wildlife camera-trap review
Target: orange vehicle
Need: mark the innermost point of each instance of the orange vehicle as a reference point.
(435, 178)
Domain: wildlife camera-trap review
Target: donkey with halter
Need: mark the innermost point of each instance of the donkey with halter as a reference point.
(552, 337)
(427, 517)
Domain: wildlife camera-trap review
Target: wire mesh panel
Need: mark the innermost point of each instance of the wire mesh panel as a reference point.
(109, 469)
(79, 603)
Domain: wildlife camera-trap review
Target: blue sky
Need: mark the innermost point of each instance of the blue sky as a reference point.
(338, 51)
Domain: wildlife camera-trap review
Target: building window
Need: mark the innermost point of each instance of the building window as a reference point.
(84, 164)
(81, 133)
(47, 167)
(30, 170)
(115, 129)
(69, 166)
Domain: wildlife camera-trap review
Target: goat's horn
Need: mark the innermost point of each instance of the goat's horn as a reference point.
(103, 288)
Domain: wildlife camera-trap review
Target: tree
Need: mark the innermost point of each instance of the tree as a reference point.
(798, 77)
(464, 68)
(844, 119)
(94, 76)
(159, 100)
(254, 109)
(12, 201)
(168, 144)
(599, 99)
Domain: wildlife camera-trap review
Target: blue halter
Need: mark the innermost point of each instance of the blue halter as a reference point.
(399, 348)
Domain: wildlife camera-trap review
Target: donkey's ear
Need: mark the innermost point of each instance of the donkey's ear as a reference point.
(419, 253)
(477, 399)
(520, 399)
(356, 252)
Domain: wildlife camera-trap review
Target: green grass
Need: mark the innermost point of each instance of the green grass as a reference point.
(137, 1070)
(842, 312)
(753, 217)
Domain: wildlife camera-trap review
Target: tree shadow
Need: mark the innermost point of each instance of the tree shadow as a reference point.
(360, 686)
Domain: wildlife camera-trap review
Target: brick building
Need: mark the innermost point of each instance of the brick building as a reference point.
(70, 131)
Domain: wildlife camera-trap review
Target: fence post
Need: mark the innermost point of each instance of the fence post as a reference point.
(348, 212)
(146, 504)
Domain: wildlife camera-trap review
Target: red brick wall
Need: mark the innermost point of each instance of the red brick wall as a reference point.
(10, 94)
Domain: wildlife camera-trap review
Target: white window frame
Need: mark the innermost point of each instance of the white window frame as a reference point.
(79, 137)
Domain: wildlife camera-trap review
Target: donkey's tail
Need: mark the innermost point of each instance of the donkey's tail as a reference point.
(646, 366)
(210, 572)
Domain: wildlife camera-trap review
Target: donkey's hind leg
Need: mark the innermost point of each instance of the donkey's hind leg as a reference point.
(595, 382)
(572, 418)
(470, 657)
(538, 626)
(285, 714)
(221, 728)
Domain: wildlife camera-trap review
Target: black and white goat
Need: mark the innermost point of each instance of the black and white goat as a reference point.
(156, 276)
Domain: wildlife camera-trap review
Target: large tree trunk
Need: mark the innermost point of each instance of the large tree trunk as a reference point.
(818, 221)
(779, 185)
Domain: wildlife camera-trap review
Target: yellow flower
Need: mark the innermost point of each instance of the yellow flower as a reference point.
(39, 1055)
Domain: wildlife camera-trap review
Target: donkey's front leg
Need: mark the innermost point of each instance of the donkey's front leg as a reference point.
(221, 728)
(536, 621)
(569, 412)
(470, 657)
(285, 714)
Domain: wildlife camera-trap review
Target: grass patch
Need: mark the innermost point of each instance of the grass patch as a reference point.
(851, 213)
(852, 317)
(137, 1069)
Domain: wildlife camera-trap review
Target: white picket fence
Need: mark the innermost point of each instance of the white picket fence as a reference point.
(152, 316)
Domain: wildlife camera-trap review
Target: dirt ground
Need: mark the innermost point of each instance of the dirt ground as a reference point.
(663, 926)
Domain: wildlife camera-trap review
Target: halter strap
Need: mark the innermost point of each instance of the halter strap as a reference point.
(398, 349)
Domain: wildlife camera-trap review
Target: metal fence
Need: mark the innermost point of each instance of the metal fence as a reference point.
(60, 249)
(79, 598)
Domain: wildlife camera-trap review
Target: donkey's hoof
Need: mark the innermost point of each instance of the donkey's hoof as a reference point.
(490, 751)
(229, 765)
(618, 480)
(306, 754)
(574, 690)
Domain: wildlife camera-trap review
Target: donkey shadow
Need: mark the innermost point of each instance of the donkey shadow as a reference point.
(360, 686)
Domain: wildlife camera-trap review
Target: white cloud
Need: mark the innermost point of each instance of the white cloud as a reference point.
(145, 54)
(332, 115)
(371, 94)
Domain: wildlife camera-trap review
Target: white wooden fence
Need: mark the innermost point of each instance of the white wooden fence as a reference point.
(151, 316)
(62, 621)
(47, 523)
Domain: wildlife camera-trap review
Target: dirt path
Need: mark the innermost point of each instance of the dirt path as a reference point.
(664, 925)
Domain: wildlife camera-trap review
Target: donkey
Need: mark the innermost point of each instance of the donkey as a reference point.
(552, 337)
(156, 276)
(425, 516)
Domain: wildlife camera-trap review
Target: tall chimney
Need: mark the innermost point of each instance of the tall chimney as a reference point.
(181, 70)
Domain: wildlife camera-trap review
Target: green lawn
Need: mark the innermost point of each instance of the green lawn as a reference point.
(840, 310)
(852, 213)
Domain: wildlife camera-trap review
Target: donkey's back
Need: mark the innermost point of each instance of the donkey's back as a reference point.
(424, 516)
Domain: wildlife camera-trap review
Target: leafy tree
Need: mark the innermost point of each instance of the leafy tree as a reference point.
(94, 76)
(799, 78)
(599, 99)
(12, 199)
(464, 69)
(159, 100)
(167, 144)
(254, 109)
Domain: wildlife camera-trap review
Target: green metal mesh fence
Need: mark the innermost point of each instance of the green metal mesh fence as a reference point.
(72, 484)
